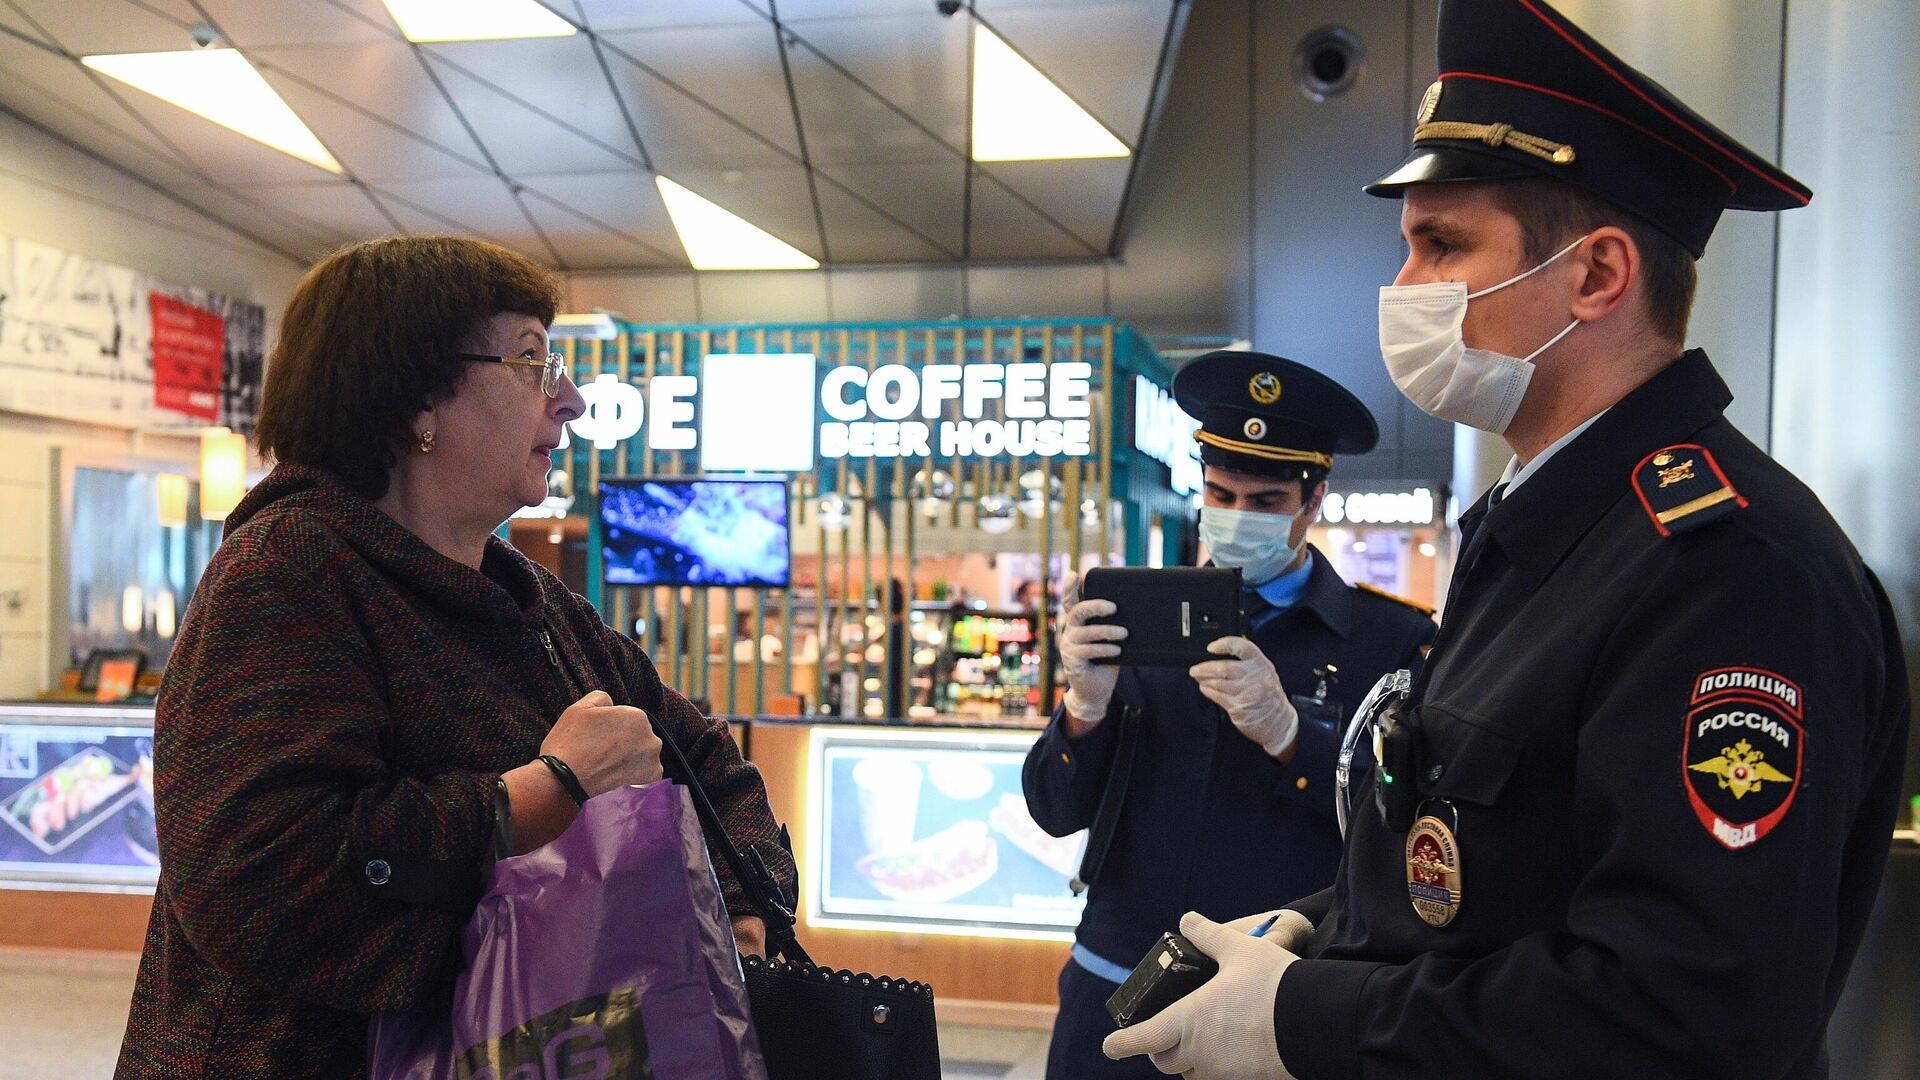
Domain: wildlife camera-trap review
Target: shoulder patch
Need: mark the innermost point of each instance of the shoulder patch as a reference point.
(1414, 604)
(1682, 488)
(1742, 751)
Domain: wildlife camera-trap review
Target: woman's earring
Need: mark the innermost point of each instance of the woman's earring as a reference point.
(426, 442)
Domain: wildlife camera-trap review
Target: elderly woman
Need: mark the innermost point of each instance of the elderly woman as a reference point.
(365, 665)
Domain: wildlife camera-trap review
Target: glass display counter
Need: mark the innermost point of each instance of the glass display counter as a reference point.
(76, 798)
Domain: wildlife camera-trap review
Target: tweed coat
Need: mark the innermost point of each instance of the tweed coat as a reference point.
(342, 694)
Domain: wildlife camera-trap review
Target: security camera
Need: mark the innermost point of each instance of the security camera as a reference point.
(949, 8)
(203, 35)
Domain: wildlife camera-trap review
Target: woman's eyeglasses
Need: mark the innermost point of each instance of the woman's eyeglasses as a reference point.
(552, 369)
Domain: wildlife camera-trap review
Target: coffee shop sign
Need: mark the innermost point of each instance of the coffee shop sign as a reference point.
(767, 411)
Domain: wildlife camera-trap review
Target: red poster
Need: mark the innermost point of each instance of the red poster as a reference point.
(187, 344)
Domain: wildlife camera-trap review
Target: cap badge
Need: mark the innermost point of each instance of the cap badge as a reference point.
(1429, 102)
(1264, 387)
(1255, 428)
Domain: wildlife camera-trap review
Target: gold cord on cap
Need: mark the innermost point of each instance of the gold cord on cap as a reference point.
(1271, 453)
(1497, 136)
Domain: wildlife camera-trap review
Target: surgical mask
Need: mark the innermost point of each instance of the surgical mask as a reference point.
(1261, 545)
(1429, 360)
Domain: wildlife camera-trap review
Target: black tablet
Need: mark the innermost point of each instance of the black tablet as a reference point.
(1171, 614)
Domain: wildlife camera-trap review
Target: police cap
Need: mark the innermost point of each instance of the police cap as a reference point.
(1270, 416)
(1524, 92)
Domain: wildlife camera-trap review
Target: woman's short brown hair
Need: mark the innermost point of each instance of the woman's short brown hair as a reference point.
(367, 342)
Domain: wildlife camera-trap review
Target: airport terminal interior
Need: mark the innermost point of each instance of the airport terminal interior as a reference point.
(876, 326)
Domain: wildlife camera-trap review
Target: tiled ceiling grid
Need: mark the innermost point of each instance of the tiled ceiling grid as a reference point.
(840, 126)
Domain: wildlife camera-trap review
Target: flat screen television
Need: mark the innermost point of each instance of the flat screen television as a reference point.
(681, 531)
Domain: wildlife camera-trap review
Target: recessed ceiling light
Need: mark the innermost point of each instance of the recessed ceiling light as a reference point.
(220, 85)
(718, 239)
(475, 20)
(1020, 115)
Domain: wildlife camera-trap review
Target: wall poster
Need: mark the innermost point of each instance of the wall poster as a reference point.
(85, 340)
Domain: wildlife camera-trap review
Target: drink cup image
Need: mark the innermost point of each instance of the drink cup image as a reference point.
(889, 792)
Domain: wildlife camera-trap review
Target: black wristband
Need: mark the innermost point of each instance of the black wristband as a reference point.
(567, 780)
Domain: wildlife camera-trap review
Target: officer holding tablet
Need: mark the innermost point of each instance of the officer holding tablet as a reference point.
(1223, 802)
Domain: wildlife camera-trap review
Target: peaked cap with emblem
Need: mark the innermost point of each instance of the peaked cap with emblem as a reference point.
(1524, 92)
(1270, 416)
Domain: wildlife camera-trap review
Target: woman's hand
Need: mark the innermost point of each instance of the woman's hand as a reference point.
(606, 745)
(750, 935)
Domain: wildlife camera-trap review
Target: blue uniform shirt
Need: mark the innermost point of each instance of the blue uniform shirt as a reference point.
(1213, 824)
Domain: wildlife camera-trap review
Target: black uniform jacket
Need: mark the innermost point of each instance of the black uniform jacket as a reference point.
(1211, 822)
(1593, 711)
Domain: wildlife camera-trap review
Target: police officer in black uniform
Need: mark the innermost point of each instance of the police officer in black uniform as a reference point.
(1228, 804)
(1631, 820)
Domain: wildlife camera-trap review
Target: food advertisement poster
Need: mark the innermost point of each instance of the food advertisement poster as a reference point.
(76, 806)
(927, 831)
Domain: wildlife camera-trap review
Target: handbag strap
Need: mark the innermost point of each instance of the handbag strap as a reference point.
(756, 879)
(1107, 818)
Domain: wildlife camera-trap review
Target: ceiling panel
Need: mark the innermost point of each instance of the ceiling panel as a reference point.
(480, 205)
(223, 154)
(1084, 195)
(338, 207)
(102, 26)
(385, 78)
(586, 245)
(930, 197)
(917, 64)
(801, 10)
(734, 68)
(1004, 229)
(880, 86)
(859, 234)
(293, 234)
(370, 149)
(1102, 54)
(775, 199)
(566, 118)
(627, 203)
(603, 15)
(11, 23)
(59, 94)
(254, 23)
(682, 133)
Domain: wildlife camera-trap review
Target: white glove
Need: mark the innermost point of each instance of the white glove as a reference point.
(1289, 930)
(1089, 685)
(1248, 688)
(1224, 1030)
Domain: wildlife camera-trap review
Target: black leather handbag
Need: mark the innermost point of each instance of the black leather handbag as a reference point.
(817, 1023)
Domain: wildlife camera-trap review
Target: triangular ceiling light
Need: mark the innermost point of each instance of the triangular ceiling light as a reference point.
(475, 20)
(1020, 115)
(718, 239)
(220, 85)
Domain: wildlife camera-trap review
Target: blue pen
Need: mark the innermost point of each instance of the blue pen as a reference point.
(1261, 930)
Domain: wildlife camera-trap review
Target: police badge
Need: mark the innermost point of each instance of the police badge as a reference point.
(1433, 871)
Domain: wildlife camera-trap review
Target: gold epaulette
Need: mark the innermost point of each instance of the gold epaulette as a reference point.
(1375, 590)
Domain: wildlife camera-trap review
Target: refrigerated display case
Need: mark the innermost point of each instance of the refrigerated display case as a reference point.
(985, 664)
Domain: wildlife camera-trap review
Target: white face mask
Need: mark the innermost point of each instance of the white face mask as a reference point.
(1431, 364)
(1261, 545)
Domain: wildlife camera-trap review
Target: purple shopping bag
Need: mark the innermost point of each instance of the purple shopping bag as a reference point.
(605, 955)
